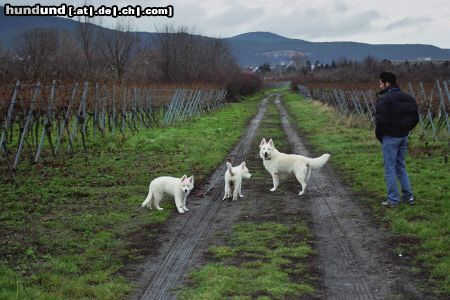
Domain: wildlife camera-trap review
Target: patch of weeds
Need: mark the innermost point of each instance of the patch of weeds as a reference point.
(258, 260)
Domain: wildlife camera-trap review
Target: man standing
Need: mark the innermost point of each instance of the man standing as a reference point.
(396, 115)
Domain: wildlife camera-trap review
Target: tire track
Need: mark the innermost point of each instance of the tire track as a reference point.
(353, 252)
(164, 273)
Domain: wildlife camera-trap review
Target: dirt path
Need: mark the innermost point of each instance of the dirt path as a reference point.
(353, 260)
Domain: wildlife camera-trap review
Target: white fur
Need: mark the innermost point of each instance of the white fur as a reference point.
(179, 188)
(277, 163)
(233, 176)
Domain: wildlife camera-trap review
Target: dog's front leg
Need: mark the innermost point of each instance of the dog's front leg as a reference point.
(236, 191)
(179, 204)
(227, 190)
(276, 181)
(240, 189)
(184, 203)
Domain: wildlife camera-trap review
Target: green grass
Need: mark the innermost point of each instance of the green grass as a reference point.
(65, 227)
(260, 260)
(356, 152)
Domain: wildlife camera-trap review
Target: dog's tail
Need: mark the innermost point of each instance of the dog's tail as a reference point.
(148, 200)
(230, 168)
(319, 162)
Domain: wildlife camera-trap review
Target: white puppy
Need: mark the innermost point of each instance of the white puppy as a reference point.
(277, 163)
(179, 188)
(233, 176)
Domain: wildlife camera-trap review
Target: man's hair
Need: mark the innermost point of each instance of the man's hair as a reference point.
(388, 77)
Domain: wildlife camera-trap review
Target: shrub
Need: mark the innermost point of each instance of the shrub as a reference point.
(243, 84)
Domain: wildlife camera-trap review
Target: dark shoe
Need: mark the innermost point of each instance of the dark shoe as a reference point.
(388, 204)
(410, 201)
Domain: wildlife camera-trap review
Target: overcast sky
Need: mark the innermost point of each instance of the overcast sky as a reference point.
(370, 21)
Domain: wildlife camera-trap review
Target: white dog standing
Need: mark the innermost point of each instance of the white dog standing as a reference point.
(179, 188)
(277, 163)
(233, 176)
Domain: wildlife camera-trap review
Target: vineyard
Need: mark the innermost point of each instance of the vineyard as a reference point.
(40, 120)
(433, 99)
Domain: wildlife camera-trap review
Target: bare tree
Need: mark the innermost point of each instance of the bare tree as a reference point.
(85, 33)
(183, 56)
(37, 48)
(68, 58)
(188, 47)
(92, 53)
(166, 49)
(144, 68)
(119, 46)
(215, 61)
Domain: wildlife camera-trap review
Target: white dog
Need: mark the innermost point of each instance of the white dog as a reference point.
(179, 188)
(277, 163)
(233, 176)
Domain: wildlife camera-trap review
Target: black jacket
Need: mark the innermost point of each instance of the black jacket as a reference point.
(396, 113)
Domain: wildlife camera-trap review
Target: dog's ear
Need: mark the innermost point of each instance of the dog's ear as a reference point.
(263, 142)
(229, 166)
(243, 164)
(270, 143)
(191, 179)
(183, 178)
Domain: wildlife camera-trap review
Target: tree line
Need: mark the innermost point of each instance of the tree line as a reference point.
(368, 70)
(173, 55)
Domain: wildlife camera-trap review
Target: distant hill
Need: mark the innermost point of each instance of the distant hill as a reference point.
(250, 49)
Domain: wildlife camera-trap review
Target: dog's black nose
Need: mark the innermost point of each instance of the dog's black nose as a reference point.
(266, 154)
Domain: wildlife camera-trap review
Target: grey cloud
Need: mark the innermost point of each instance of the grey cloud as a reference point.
(236, 15)
(314, 23)
(340, 6)
(408, 21)
(185, 14)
